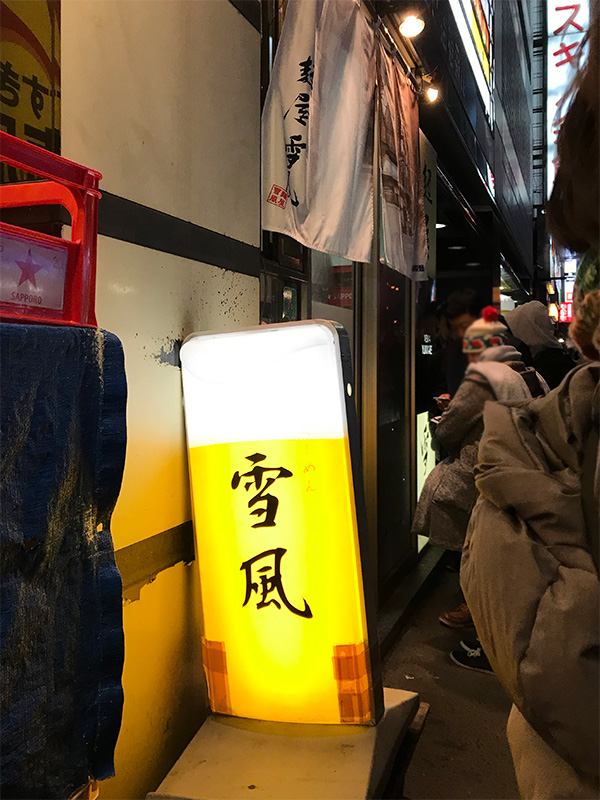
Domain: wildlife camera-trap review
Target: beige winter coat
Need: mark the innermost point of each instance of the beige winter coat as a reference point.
(530, 578)
(449, 493)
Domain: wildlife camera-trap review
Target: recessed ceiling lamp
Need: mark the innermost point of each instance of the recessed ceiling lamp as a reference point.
(411, 26)
(439, 225)
(432, 94)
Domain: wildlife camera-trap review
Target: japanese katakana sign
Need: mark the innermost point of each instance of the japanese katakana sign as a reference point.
(567, 25)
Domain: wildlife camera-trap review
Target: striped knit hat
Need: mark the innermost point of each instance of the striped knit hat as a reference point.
(485, 332)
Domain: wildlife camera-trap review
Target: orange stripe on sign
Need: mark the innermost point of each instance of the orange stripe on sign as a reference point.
(351, 671)
(214, 657)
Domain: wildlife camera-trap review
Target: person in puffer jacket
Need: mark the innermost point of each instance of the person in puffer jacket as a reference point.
(495, 372)
(530, 562)
(529, 574)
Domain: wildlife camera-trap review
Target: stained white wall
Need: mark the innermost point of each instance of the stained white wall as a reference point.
(151, 300)
(163, 98)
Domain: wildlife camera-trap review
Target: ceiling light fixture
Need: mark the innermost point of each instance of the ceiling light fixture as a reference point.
(432, 91)
(440, 225)
(411, 26)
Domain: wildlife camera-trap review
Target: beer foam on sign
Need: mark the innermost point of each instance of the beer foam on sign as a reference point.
(271, 382)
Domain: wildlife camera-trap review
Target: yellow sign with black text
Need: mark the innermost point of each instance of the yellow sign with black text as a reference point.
(284, 621)
(30, 74)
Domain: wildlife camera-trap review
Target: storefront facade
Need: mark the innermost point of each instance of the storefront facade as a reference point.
(164, 99)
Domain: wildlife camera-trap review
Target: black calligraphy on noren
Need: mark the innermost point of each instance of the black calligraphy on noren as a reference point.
(307, 71)
(301, 105)
(303, 108)
(427, 179)
(266, 581)
(294, 149)
(259, 480)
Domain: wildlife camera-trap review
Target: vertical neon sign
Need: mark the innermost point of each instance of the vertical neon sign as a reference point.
(567, 25)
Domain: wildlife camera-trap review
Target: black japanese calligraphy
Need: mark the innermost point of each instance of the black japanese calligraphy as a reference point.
(48, 138)
(37, 94)
(301, 113)
(15, 122)
(8, 123)
(307, 71)
(9, 84)
(294, 149)
(427, 177)
(256, 475)
(303, 107)
(266, 581)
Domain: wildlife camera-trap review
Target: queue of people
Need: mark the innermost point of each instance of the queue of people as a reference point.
(495, 371)
(517, 490)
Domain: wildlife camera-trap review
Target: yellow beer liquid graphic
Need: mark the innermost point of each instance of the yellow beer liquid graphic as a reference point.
(281, 587)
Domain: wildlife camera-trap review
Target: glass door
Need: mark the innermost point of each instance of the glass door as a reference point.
(333, 293)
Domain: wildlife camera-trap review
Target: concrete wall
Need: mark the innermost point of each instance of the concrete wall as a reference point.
(163, 98)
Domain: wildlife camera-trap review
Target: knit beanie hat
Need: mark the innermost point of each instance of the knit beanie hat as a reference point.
(484, 332)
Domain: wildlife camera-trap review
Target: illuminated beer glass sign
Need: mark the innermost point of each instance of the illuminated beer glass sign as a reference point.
(284, 618)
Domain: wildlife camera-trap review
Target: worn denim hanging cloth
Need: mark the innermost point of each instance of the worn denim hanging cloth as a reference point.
(63, 396)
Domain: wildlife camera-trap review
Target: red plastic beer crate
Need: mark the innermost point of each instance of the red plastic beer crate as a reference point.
(46, 278)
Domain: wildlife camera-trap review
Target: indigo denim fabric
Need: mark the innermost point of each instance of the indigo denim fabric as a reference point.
(63, 434)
